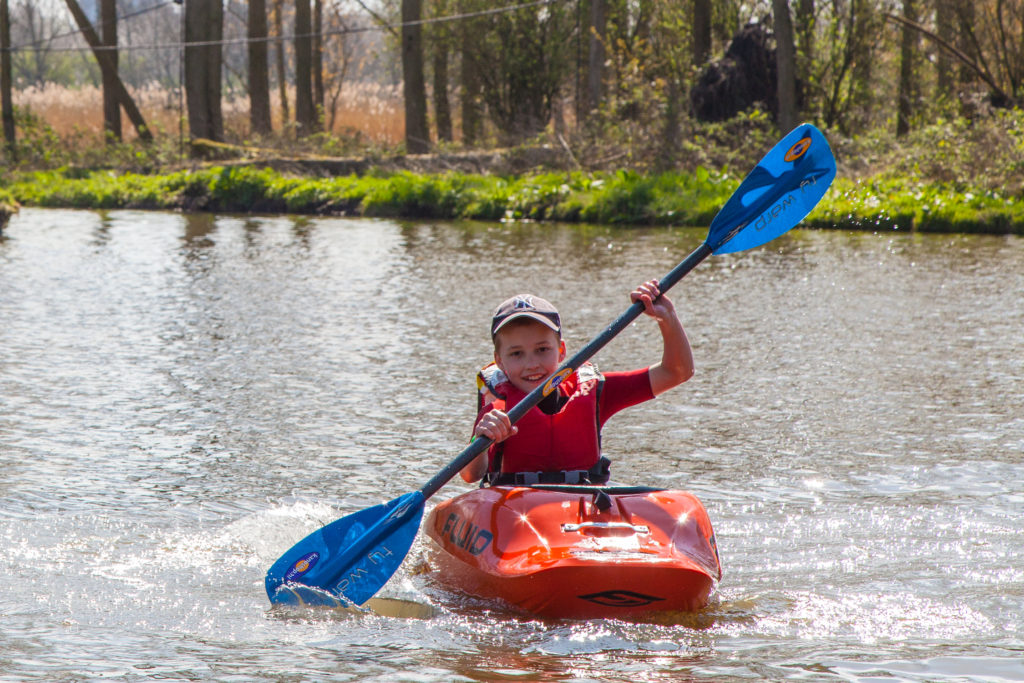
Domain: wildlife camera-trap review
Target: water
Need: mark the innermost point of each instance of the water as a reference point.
(183, 397)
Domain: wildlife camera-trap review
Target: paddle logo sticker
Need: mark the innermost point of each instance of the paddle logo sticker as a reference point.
(621, 598)
(304, 564)
(798, 149)
(555, 380)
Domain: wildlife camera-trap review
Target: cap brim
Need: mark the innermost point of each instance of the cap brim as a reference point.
(548, 322)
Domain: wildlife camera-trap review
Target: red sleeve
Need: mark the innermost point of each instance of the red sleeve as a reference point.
(624, 389)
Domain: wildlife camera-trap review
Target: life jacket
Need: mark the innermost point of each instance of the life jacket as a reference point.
(564, 447)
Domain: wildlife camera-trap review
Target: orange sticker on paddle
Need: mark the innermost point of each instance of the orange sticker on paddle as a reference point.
(798, 150)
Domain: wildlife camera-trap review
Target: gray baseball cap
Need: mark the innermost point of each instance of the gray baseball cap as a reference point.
(526, 306)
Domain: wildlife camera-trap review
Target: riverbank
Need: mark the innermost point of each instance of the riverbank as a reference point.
(951, 176)
(881, 202)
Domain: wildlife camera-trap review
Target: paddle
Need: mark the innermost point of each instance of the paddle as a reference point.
(346, 562)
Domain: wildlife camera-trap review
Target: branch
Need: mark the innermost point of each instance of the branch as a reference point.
(982, 73)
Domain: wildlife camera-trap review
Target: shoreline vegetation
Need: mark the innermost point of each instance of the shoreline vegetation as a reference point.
(950, 177)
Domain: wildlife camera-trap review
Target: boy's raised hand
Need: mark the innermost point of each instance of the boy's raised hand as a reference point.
(648, 293)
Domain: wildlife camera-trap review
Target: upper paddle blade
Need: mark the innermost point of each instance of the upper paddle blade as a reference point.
(781, 190)
(346, 562)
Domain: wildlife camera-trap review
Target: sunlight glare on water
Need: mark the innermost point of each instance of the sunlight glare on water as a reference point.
(185, 397)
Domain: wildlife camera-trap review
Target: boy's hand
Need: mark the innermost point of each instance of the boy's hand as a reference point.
(648, 293)
(496, 426)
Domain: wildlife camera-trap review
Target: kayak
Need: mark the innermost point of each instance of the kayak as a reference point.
(577, 552)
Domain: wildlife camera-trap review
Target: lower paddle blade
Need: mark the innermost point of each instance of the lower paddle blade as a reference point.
(346, 562)
(779, 193)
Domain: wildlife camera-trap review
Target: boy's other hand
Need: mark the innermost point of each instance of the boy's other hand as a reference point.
(496, 426)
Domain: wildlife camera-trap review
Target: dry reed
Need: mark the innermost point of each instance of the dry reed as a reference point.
(366, 111)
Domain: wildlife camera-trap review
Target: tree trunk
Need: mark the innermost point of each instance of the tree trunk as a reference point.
(701, 32)
(596, 55)
(442, 107)
(111, 106)
(259, 77)
(282, 76)
(108, 67)
(305, 113)
(804, 30)
(785, 62)
(318, 59)
(204, 25)
(6, 101)
(470, 87)
(417, 136)
(943, 60)
(907, 85)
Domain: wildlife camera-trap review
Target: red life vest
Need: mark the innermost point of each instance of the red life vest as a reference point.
(570, 439)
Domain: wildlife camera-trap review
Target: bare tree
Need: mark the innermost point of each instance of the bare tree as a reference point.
(282, 74)
(318, 58)
(108, 67)
(111, 106)
(38, 27)
(417, 135)
(785, 63)
(204, 25)
(305, 113)
(259, 77)
(6, 101)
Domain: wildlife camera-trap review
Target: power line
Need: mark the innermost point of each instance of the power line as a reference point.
(273, 39)
(37, 45)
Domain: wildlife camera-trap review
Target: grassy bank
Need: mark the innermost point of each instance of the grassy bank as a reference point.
(953, 175)
(874, 203)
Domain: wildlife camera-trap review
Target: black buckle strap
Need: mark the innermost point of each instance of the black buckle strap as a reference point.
(598, 474)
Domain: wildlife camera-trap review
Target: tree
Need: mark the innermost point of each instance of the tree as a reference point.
(204, 27)
(259, 76)
(318, 58)
(279, 61)
(305, 112)
(6, 101)
(111, 106)
(785, 64)
(805, 20)
(109, 67)
(440, 47)
(907, 94)
(596, 37)
(523, 59)
(417, 135)
(470, 84)
(700, 36)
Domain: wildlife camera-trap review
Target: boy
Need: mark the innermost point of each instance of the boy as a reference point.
(559, 440)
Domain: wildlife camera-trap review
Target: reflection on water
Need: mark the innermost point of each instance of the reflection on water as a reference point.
(184, 397)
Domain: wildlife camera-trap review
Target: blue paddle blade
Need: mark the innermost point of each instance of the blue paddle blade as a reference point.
(779, 193)
(346, 562)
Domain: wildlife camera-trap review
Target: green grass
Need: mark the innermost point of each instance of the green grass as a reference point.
(883, 202)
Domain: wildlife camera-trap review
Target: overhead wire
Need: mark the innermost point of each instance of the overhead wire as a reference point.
(177, 45)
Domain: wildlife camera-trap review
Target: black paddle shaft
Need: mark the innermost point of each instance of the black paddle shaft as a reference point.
(479, 445)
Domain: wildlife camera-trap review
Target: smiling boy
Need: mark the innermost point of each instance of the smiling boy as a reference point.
(559, 440)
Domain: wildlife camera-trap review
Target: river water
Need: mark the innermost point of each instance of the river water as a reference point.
(184, 397)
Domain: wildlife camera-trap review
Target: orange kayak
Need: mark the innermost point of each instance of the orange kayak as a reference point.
(577, 552)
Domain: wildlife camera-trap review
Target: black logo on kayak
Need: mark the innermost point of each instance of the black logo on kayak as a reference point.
(469, 537)
(621, 599)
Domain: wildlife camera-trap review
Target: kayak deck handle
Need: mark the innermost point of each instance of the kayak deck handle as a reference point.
(610, 528)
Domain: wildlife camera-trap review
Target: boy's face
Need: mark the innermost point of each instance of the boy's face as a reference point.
(528, 352)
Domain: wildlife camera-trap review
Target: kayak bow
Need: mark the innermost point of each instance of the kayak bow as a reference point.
(577, 551)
